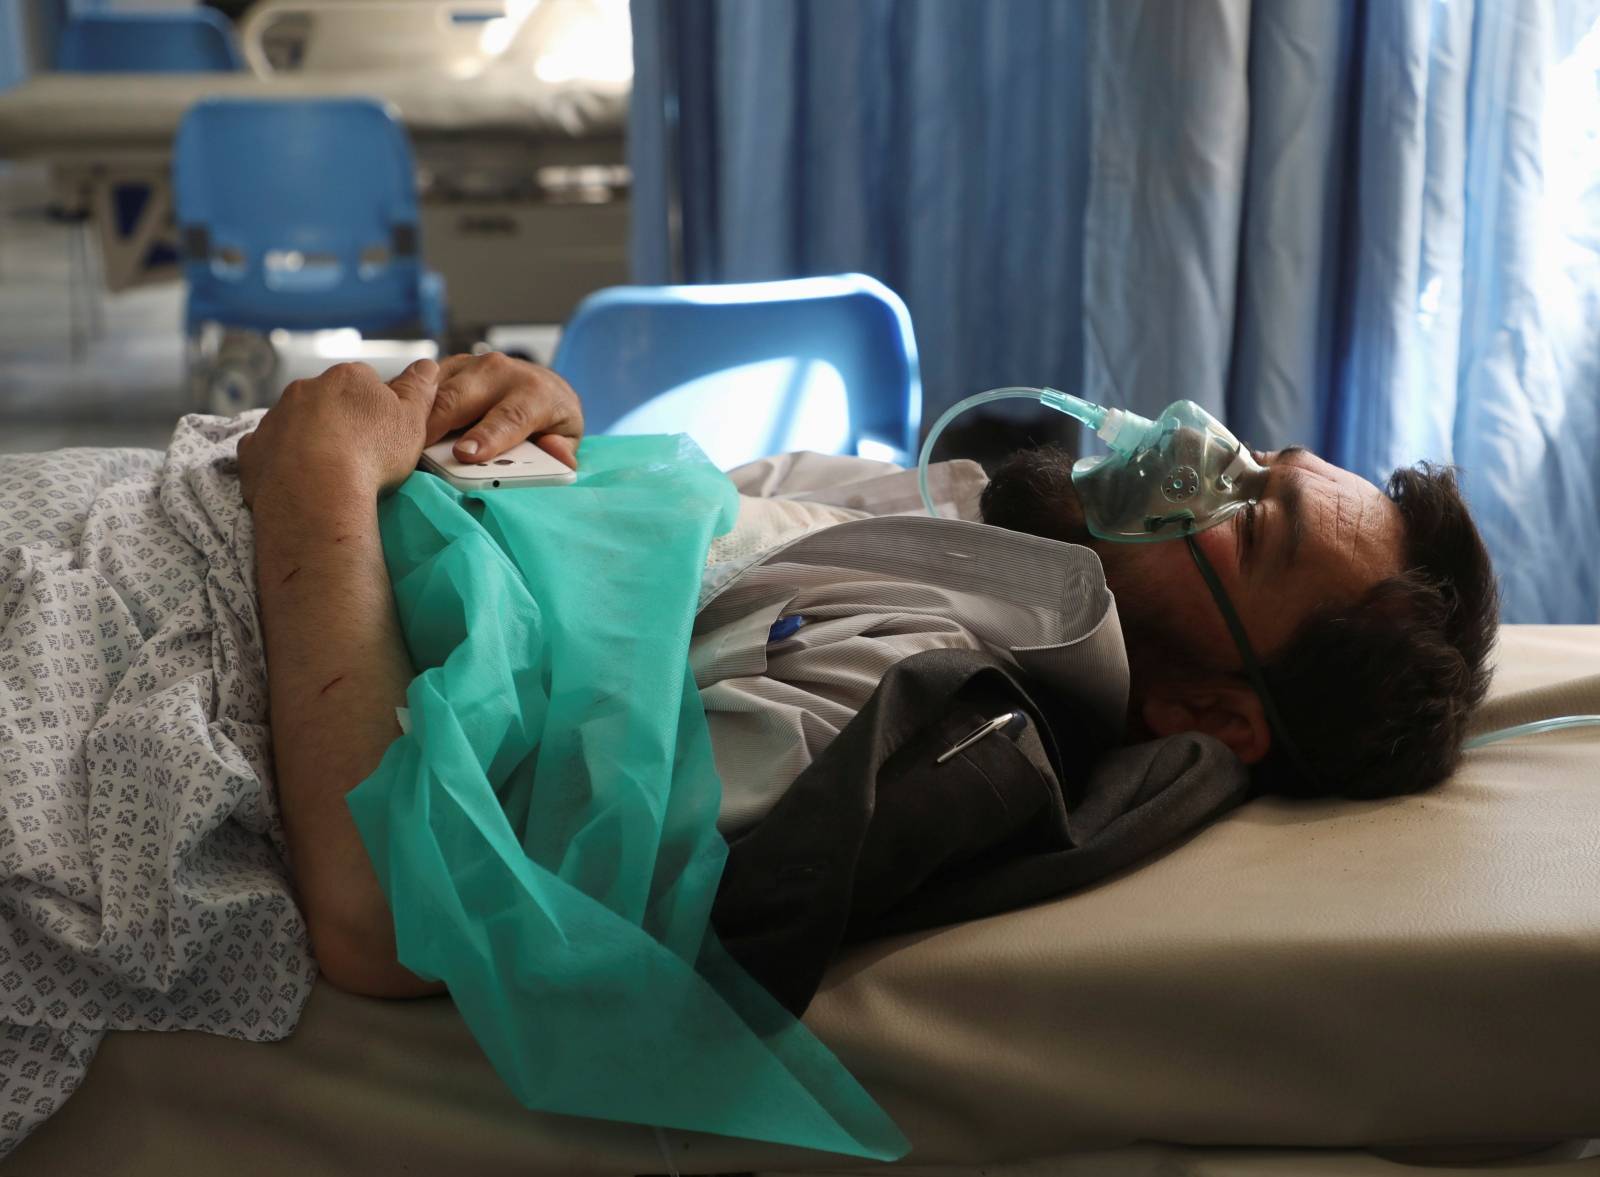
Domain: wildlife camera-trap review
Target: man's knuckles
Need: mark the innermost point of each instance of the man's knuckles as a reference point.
(516, 415)
(495, 362)
(352, 372)
(347, 380)
(449, 403)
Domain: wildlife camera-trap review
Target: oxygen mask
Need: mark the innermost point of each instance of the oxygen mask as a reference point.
(1180, 474)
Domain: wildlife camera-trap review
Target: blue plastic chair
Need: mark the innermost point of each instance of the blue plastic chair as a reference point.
(750, 369)
(186, 41)
(302, 214)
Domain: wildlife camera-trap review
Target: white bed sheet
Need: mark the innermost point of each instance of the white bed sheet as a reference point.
(1414, 971)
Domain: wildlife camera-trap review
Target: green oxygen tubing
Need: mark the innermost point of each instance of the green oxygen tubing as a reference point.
(1124, 432)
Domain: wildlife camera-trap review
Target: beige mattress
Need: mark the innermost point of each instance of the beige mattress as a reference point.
(112, 116)
(1419, 971)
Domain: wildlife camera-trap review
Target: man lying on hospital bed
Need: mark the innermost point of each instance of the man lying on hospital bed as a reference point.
(1372, 613)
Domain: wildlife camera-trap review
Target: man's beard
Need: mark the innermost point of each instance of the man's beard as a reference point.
(1031, 491)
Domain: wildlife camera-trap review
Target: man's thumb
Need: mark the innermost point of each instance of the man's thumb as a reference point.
(419, 382)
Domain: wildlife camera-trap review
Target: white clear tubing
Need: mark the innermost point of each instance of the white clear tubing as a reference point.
(1075, 407)
(1531, 729)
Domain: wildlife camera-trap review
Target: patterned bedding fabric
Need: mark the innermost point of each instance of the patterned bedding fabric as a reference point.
(142, 871)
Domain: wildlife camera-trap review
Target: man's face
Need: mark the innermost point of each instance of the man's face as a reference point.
(1320, 535)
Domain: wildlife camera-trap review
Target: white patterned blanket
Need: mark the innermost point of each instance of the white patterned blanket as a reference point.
(142, 873)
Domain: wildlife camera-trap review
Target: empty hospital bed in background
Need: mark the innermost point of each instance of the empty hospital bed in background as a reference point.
(1340, 989)
(519, 146)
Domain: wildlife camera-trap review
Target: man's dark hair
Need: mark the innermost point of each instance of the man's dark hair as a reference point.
(1378, 694)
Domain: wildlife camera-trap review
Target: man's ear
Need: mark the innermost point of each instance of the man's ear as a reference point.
(1226, 710)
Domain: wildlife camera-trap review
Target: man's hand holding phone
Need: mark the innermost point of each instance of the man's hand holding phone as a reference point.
(496, 402)
(348, 432)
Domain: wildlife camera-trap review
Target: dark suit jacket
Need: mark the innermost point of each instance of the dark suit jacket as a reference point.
(876, 838)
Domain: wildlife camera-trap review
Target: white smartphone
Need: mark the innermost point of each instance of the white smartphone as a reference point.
(521, 465)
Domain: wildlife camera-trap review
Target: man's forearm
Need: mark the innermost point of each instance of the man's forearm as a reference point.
(336, 670)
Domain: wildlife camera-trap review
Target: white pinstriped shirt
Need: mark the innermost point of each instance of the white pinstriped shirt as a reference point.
(824, 539)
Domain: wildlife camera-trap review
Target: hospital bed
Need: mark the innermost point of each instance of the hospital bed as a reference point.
(1337, 988)
(523, 180)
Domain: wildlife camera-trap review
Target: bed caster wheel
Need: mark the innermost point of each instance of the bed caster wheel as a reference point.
(231, 370)
(231, 390)
(251, 352)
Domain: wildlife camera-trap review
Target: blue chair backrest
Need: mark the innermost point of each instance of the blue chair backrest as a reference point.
(750, 369)
(302, 212)
(193, 40)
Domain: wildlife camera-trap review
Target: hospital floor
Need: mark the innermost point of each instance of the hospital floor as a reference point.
(125, 385)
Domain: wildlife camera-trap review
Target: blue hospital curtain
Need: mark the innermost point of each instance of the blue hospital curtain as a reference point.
(1372, 226)
(937, 146)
